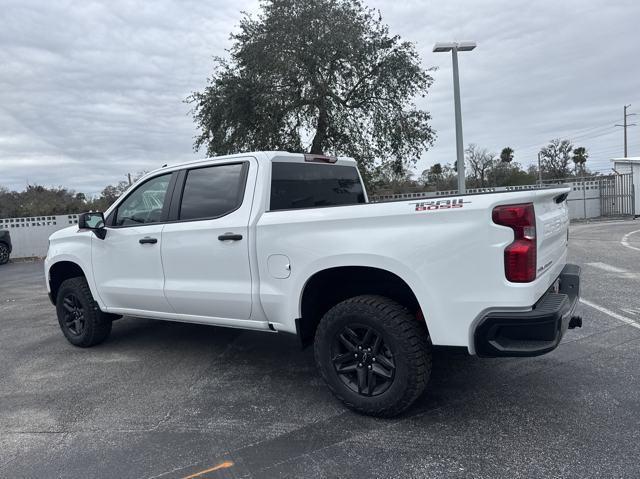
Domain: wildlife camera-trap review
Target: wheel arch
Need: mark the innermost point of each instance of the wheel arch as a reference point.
(329, 286)
(60, 272)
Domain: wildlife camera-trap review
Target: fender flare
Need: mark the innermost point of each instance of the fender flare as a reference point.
(425, 300)
(86, 271)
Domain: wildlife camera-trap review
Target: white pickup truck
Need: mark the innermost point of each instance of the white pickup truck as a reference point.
(288, 243)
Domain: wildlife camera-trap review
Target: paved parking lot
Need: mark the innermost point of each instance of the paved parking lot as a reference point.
(170, 400)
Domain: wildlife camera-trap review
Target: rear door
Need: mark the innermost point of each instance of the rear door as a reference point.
(205, 246)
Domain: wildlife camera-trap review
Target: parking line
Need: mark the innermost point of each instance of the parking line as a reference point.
(607, 267)
(613, 314)
(223, 465)
(625, 240)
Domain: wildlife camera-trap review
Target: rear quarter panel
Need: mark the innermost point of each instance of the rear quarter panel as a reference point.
(452, 258)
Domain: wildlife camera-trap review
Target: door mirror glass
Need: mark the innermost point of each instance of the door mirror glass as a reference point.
(93, 221)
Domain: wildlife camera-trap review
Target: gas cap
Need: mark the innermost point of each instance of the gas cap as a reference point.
(279, 266)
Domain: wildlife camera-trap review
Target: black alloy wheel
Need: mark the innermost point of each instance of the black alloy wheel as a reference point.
(74, 318)
(374, 354)
(363, 360)
(79, 316)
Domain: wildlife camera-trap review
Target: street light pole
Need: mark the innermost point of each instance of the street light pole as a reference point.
(458, 110)
(455, 48)
(539, 170)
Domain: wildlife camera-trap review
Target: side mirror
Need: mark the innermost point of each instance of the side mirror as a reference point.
(94, 222)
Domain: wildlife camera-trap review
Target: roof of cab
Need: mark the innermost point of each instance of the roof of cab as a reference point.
(259, 155)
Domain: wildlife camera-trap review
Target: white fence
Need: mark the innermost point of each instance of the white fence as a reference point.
(30, 236)
(595, 196)
(584, 199)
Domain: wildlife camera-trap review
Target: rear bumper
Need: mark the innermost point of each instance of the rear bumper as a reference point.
(535, 332)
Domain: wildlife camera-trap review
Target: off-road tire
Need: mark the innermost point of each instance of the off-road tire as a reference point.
(96, 325)
(408, 342)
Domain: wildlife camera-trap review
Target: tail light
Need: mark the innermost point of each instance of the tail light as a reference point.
(519, 256)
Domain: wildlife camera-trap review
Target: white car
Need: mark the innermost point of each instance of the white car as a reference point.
(288, 243)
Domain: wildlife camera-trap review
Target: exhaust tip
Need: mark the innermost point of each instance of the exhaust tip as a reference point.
(575, 322)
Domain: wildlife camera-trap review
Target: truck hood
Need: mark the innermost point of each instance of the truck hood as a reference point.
(64, 233)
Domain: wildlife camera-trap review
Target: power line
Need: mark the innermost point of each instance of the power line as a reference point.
(601, 150)
(610, 130)
(606, 150)
(575, 134)
(607, 130)
(584, 131)
(591, 132)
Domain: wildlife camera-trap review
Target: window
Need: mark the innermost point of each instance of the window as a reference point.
(213, 191)
(145, 204)
(303, 185)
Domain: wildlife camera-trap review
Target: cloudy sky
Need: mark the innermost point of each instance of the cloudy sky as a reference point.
(92, 90)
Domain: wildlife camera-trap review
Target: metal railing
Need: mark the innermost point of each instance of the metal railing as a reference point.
(590, 197)
(434, 194)
(606, 195)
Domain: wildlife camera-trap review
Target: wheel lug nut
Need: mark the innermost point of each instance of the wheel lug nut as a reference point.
(355, 355)
(373, 359)
(359, 365)
(369, 366)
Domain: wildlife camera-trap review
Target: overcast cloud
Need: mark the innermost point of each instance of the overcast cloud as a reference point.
(92, 90)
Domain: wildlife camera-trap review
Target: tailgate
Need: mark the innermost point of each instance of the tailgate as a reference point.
(552, 226)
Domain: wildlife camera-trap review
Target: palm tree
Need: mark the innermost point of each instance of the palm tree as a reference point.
(506, 155)
(579, 158)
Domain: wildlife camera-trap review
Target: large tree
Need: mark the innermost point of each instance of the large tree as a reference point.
(480, 162)
(555, 158)
(321, 76)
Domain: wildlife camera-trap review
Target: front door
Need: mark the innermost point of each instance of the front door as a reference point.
(126, 264)
(205, 250)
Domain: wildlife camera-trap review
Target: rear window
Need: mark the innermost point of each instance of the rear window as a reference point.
(304, 185)
(212, 191)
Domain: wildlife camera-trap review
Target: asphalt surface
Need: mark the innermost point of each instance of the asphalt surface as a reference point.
(170, 400)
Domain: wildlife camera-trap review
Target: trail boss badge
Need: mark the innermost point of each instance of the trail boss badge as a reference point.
(440, 204)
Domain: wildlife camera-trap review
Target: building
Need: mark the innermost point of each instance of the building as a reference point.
(626, 166)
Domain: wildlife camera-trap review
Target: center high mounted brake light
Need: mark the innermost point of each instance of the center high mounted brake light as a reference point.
(311, 158)
(520, 256)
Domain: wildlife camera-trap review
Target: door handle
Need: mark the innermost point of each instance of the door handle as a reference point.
(148, 240)
(230, 236)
